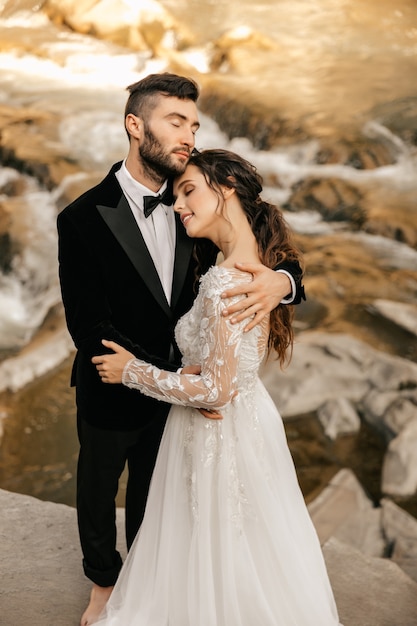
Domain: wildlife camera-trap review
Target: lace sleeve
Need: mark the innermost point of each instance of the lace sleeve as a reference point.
(215, 386)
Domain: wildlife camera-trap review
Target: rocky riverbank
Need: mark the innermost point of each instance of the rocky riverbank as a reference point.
(336, 387)
(371, 556)
(348, 186)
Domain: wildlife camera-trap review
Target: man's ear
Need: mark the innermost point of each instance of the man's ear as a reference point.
(134, 126)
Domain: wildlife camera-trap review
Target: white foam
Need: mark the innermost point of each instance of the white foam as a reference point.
(30, 288)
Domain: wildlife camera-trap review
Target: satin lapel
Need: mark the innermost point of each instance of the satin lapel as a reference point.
(183, 250)
(123, 225)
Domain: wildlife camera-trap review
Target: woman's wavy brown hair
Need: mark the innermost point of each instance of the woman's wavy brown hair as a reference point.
(224, 168)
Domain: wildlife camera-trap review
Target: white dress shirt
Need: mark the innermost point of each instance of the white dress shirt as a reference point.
(158, 230)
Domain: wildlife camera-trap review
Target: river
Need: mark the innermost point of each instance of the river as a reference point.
(333, 64)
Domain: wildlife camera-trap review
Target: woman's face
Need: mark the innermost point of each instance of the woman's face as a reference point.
(199, 206)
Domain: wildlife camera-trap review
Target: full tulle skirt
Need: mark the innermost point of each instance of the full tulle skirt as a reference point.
(226, 539)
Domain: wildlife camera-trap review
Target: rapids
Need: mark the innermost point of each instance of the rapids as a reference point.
(335, 70)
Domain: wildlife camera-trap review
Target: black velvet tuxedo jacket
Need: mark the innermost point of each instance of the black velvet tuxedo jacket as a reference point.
(111, 290)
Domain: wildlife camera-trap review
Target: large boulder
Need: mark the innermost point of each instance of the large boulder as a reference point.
(369, 591)
(144, 25)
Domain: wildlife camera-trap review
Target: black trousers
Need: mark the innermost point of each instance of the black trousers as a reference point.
(102, 459)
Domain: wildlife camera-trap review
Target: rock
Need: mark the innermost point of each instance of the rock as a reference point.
(75, 185)
(323, 367)
(369, 591)
(42, 579)
(43, 583)
(389, 254)
(401, 313)
(389, 411)
(231, 46)
(343, 511)
(336, 200)
(51, 348)
(400, 530)
(391, 372)
(144, 25)
(399, 470)
(347, 271)
(400, 116)
(338, 417)
(330, 372)
(392, 217)
(359, 154)
(30, 143)
(331, 366)
(374, 406)
(247, 113)
(402, 411)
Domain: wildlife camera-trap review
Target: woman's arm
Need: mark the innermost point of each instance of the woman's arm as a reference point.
(213, 388)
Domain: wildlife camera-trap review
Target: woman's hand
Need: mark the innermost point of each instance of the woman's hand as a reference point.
(264, 294)
(212, 414)
(110, 366)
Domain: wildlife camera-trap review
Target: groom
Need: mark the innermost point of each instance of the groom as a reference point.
(127, 274)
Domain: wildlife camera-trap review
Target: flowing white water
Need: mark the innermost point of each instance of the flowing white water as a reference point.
(30, 288)
(346, 55)
(84, 79)
(94, 136)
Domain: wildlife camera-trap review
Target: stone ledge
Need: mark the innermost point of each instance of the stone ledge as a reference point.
(42, 579)
(43, 583)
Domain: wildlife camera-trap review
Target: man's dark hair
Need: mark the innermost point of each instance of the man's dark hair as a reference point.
(143, 93)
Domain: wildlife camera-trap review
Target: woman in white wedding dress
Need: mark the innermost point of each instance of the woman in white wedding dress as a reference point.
(226, 539)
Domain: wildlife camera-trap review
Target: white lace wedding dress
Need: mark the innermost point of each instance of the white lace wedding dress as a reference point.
(226, 539)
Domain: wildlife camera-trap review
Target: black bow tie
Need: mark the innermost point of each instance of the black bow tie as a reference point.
(151, 202)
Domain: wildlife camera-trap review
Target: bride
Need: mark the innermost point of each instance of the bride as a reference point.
(226, 539)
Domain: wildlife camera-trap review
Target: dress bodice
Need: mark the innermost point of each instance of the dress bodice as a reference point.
(203, 314)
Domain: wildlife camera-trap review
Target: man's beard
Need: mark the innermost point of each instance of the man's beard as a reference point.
(157, 163)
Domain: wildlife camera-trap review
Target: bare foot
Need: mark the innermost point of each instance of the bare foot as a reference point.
(98, 599)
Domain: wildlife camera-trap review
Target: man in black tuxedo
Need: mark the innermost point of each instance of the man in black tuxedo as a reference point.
(121, 281)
